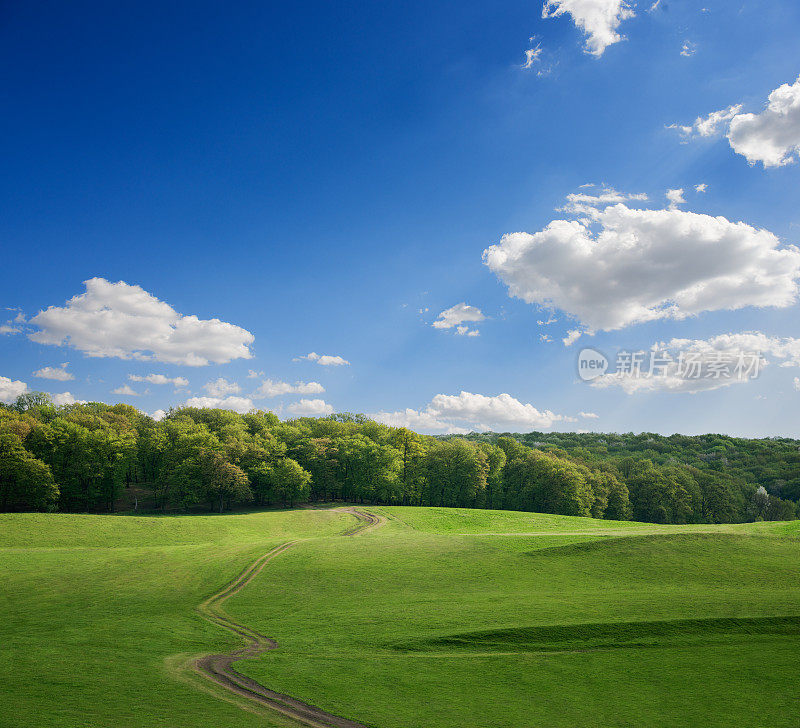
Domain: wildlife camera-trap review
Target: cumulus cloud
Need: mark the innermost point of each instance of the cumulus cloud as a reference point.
(10, 389)
(628, 266)
(325, 360)
(270, 388)
(159, 415)
(675, 198)
(7, 330)
(598, 19)
(58, 373)
(160, 379)
(457, 316)
(221, 387)
(310, 408)
(125, 321)
(771, 137)
(466, 411)
(702, 187)
(125, 390)
(706, 126)
(419, 421)
(698, 365)
(589, 415)
(63, 398)
(242, 405)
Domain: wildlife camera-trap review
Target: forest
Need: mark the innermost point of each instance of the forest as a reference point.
(95, 457)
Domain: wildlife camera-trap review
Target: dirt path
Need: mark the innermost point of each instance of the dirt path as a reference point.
(219, 668)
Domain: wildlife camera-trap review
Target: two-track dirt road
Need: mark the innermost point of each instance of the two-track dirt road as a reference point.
(219, 668)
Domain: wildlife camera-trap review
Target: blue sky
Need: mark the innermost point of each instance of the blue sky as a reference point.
(326, 178)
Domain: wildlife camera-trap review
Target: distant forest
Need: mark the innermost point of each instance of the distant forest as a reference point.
(99, 458)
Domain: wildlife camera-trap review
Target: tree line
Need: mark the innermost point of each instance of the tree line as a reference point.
(99, 458)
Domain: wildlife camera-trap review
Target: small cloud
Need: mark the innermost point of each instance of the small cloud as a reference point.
(270, 388)
(254, 374)
(458, 315)
(160, 379)
(688, 49)
(325, 360)
(59, 373)
(221, 388)
(545, 338)
(125, 390)
(64, 398)
(532, 55)
(572, 336)
(7, 330)
(159, 415)
(242, 405)
(589, 415)
(675, 198)
(310, 408)
(702, 187)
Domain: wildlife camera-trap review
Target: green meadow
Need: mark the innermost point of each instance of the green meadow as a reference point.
(442, 618)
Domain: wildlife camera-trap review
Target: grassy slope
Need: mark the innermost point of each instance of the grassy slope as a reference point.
(91, 606)
(381, 627)
(407, 625)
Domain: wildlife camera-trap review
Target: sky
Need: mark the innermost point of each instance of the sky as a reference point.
(426, 212)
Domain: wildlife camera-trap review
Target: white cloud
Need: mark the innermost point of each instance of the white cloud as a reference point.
(797, 383)
(532, 55)
(675, 198)
(124, 321)
(10, 389)
(126, 390)
(706, 126)
(589, 415)
(773, 136)
(458, 315)
(598, 19)
(467, 331)
(310, 408)
(697, 365)
(63, 398)
(242, 405)
(251, 374)
(221, 388)
(160, 379)
(159, 415)
(59, 373)
(688, 49)
(7, 330)
(572, 336)
(583, 203)
(418, 421)
(644, 265)
(702, 187)
(325, 360)
(270, 388)
(545, 338)
(467, 411)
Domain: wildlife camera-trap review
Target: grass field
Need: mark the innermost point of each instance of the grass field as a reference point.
(441, 618)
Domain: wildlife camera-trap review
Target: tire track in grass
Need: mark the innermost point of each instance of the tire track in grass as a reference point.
(219, 668)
